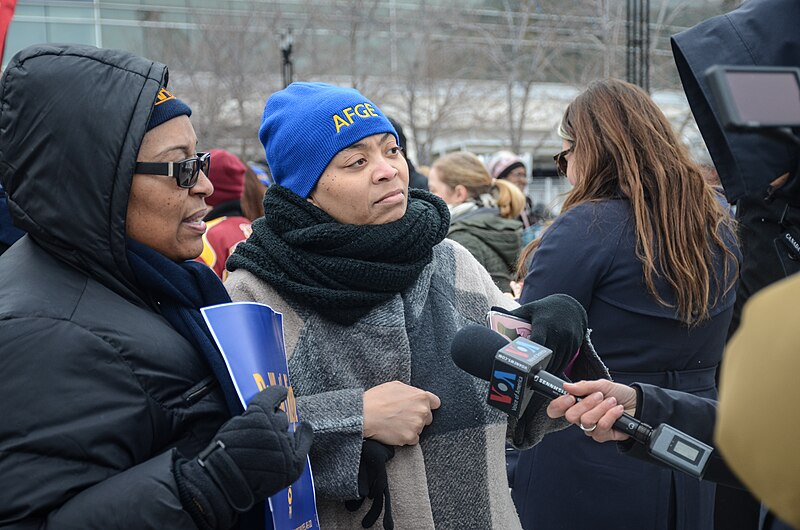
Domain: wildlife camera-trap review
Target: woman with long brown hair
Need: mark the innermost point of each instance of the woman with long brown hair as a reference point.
(650, 252)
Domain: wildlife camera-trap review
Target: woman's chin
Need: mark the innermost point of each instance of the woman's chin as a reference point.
(396, 213)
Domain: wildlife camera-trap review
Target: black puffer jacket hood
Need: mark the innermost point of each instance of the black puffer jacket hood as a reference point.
(56, 148)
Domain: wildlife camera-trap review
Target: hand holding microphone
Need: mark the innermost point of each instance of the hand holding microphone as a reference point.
(558, 322)
(515, 371)
(604, 404)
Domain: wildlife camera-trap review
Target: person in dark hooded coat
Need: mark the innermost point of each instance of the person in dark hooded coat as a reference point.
(117, 408)
(750, 166)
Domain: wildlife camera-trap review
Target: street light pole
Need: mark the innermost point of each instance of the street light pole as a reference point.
(286, 49)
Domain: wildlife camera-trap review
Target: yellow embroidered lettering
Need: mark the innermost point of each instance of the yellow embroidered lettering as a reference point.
(370, 110)
(348, 113)
(359, 112)
(339, 122)
(163, 96)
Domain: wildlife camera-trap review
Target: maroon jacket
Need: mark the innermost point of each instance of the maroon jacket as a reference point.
(220, 239)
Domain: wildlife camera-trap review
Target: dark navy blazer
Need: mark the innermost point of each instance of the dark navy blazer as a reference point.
(568, 481)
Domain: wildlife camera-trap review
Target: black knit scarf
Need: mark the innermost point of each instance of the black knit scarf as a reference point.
(340, 271)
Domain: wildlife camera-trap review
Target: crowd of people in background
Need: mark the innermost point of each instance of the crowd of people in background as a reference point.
(120, 411)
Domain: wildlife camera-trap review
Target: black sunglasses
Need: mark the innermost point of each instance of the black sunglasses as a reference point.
(561, 161)
(186, 172)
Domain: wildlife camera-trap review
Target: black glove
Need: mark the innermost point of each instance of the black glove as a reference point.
(558, 322)
(252, 457)
(374, 483)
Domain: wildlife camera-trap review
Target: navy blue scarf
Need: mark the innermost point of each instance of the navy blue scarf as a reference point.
(181, 289)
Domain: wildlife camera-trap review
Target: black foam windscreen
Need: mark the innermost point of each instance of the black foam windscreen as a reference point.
(473, 350)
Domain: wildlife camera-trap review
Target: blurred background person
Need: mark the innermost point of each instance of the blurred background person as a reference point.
(646, 247)
(505, 165)
(262, 172)
(483, 216)
(254, 189)
(226, 224)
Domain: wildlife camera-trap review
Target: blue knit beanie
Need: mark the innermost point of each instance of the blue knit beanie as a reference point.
(306, 124)
(167, 107)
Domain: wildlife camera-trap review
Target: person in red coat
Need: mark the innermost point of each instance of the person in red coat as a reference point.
(227, 225)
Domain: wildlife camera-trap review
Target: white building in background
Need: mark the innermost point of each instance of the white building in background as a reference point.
(548, 103)
(144, 26)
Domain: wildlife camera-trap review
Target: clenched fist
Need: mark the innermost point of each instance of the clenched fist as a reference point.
(395, 413)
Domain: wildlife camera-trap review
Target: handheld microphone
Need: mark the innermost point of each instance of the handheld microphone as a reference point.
(515, 370)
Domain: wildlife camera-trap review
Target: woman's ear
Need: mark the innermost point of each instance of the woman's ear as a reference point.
(461, 193)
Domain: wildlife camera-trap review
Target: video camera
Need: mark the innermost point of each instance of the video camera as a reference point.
(765, 100)
(760, 99)
(757, 98)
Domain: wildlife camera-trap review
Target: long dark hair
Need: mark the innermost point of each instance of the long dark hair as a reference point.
(624, 145)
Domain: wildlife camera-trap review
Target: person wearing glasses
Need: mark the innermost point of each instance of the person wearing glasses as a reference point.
(643, 243)
(117, 408)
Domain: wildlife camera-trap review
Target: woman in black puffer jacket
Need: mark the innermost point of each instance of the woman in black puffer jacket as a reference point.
(112, 385)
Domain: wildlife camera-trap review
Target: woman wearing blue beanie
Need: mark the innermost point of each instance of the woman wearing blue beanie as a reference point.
(372, 295)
